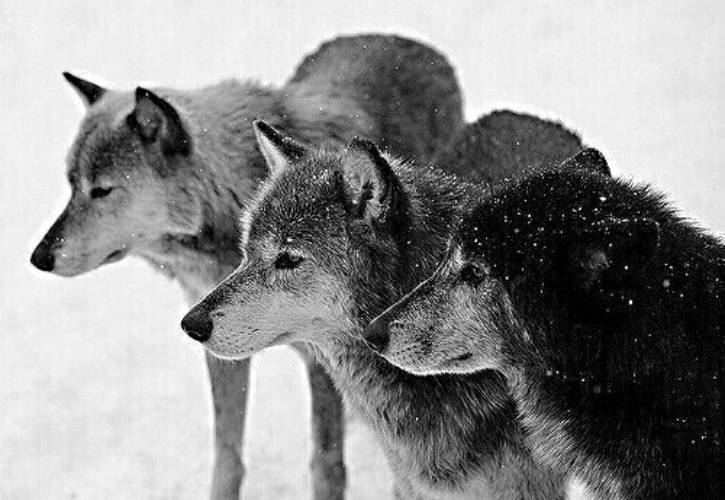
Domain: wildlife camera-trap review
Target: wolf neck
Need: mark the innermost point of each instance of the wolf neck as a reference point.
(443, 429)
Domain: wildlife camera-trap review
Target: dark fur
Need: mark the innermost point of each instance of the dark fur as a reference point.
(623, 300)
(413, 88)
(505, 143)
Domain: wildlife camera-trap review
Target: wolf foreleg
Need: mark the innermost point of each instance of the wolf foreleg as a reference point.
(328, 435)
(229, 381)
(328, 429)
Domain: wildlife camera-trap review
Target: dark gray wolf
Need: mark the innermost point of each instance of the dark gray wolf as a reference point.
(335, 236)
(506, 143)
(163, 174)
(604, 309)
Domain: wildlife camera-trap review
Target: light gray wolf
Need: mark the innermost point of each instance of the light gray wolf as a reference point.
(334, 237)
(163, 174)
(604, 309)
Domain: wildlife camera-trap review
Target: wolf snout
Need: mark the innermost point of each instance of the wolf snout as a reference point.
(198, 325)
(376, 334)
(43, 257)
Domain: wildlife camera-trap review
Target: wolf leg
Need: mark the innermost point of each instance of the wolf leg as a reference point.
(328, 431)
(229, 381)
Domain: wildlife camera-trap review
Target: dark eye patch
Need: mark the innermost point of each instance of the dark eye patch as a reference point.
(472, 274)
(100, 192)
(287, 261)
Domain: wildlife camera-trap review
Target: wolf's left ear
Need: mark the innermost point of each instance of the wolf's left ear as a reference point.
(156, 120)
(278, 150)
(588, 159)
(615, 248)
(89, 92)
(374, 191)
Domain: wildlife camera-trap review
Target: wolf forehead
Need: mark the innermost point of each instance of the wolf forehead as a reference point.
(102, 139)
(301, 201)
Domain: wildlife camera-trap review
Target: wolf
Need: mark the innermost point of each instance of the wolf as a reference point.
(162, 174)
(605, 311)
(506, 143)
(333, 238)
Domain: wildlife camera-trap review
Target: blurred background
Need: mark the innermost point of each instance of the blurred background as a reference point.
(102, 395)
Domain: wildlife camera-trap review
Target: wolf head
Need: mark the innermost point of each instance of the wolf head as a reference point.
(323, 245)
(453, 322)
(118, 168)
(510, 270)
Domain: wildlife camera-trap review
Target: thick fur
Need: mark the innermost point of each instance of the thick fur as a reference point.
(605, 310)
(334, 238)
(506, 142)
(163, 174)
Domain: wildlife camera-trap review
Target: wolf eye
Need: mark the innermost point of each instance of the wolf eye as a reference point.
(287, 261)
(100, 192)
(472, 273)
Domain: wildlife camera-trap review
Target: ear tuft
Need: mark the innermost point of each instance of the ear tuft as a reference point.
(278, 150)
(590, 159)
(155, 119)
(89, 92)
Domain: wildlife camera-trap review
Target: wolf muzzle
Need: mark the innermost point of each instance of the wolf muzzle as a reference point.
(376, 334)
(197, 324)
(43, 257)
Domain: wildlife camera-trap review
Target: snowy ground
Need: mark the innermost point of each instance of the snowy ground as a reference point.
(102, 395)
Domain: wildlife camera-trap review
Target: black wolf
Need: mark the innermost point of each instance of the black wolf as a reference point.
(605, 310)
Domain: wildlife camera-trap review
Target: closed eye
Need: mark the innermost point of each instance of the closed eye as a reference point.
(286, 260)
(100, 192)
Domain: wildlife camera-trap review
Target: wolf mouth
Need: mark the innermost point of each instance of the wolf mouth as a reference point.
(280, 339)
(462, 357)
(115, 256)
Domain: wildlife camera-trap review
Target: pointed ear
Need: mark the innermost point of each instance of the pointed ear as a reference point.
(156, 120)
(278, 150)
(89, 92)
(588, 159)
(615, 249)
(374, 191)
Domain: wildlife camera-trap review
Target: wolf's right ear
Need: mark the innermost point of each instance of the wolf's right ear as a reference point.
(89, 92)
(374, 191)
(588, 159)
(278, 150)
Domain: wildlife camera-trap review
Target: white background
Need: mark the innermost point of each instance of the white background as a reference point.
(101, 394)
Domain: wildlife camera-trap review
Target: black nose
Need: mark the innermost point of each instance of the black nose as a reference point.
(43, 258)
(198, 325)
(376, 334)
